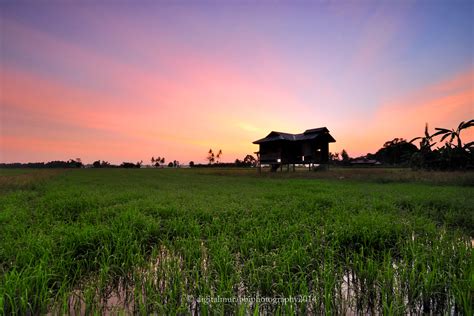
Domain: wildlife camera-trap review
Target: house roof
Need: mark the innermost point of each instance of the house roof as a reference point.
(306, 135)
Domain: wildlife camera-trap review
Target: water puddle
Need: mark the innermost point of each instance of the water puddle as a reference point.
(352, 294)
(122, 296)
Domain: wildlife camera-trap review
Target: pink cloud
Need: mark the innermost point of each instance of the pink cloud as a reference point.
(378, 31)
(444, 104)
(198, 101)
(183, 117)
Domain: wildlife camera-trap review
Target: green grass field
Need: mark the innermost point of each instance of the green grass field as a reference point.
(178, 241)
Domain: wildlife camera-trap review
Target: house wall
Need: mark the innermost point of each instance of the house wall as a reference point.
(307, 149)
(292, 152)
(324, 152)
(270, 152)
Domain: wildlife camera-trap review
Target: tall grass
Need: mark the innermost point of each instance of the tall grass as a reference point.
(167, 241)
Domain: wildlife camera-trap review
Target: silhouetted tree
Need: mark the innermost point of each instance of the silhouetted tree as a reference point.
(425, 157)
(219, 155)
(170, 164)
(396, 151)
(250, 160)
(157, 161)
(453, 133)
(210, 156)
(191, 163)
(450, 156)
(74, 163)
(333, 157)
(425, 141)
(101, 164)
(345, 156)
(129, 165)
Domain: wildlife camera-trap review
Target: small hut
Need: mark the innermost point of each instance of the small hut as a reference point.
(310, 147)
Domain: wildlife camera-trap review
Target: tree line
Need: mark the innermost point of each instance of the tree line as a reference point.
(214, 161)
(72, 163)
(453, 154)
(158, 162)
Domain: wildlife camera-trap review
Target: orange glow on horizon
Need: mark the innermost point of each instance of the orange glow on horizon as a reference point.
(114, 84)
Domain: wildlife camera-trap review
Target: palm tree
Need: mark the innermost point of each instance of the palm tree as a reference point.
(454, 134)
(210, 156)
(219, 154)
(425, 143)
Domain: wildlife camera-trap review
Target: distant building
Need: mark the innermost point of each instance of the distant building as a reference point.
(310, 147)
(364, 162)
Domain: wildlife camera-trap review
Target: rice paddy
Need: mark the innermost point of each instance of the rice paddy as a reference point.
(222, 241)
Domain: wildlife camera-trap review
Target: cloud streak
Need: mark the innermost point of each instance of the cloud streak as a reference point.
(443, 104)
(127, 82)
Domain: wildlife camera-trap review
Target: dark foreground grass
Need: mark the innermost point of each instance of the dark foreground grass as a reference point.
(179, 241)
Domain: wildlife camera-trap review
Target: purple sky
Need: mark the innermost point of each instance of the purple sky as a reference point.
(125, 80)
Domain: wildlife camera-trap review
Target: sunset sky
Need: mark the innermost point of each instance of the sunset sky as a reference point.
(123, 81)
